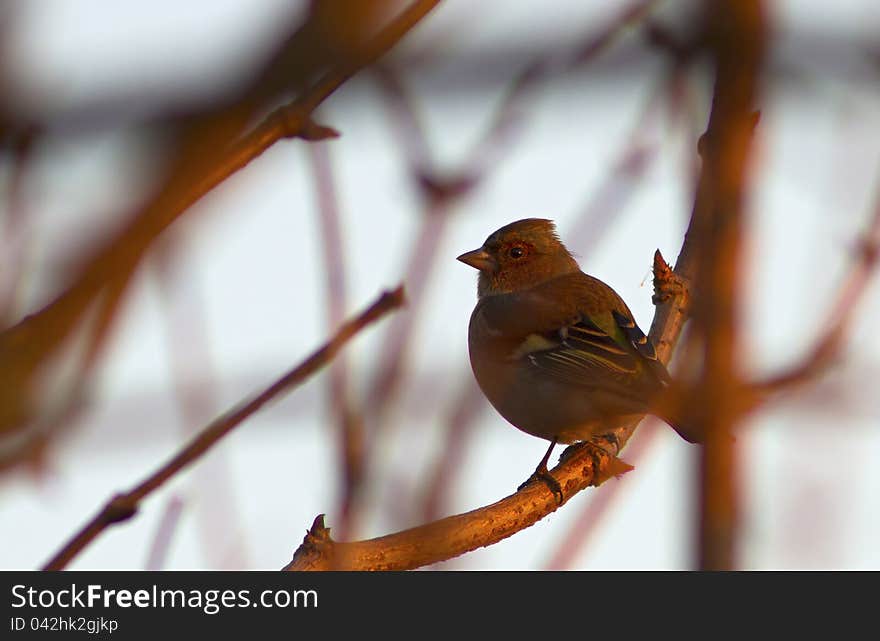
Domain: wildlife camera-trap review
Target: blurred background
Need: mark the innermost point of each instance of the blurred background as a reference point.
(584, 112)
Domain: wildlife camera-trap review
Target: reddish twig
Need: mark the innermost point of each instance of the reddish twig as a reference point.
(579, 536)
(14, 228)
(189, 356)
(350, 425)
(467, 407)
(123, 506)
(168, 522)
(441, 192)
(609, 200)
(192, 173)
(619, 185)
(864, 265)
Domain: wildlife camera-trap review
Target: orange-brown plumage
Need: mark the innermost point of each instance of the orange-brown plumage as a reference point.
(556, 351)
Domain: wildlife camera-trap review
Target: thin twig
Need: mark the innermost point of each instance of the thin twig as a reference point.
(840, 316)
(168, 522)
(189, 354)
(467, 407)
(15, 236)
(349, 422)
(618, 187)
(123, 506)
(607, 201)
(192, 173)
(628, 16)
(439, 198)
(442, 192)
(572, 545)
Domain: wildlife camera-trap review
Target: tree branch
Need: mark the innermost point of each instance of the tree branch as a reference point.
(349, 422)
(124, 506)
(449, 537)
(193, 172)
(864, 264)
(734, 31)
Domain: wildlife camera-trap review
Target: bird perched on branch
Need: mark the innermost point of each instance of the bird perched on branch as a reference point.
(556, 351)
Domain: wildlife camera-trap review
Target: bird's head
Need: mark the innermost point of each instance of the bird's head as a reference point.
(519, 256)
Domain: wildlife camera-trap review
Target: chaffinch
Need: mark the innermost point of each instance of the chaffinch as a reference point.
(556, 351)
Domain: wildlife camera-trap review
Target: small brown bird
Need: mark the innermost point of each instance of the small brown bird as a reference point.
(556, 351)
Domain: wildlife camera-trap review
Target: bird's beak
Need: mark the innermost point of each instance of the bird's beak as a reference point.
(479, 259)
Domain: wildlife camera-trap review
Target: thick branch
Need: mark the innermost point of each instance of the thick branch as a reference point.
(735, 33)
(454, 535)
(123, 506)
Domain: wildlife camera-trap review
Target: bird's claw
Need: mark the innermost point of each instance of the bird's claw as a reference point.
(545, 477)
(542, 474)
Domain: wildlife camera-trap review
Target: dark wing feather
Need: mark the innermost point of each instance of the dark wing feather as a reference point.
(581, 353)
(642, 345)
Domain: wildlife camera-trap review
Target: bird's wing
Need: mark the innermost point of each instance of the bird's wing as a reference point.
(642, 344)
(581, 353)
(578, 330)
(584, 354)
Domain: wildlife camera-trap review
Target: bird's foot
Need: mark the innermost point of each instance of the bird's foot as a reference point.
(545, 477)
(542, 474)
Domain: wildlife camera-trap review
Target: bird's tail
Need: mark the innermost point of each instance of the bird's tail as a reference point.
(681, 426)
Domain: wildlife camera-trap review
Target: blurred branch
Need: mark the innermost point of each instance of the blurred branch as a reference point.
(735, 31)
(192, 172)
(14, 231)
(349, 423)
(467, 407)
(168, 523)
(28, 446)
(567, 550)
(865, 260)
(439, 197)
(123, 506)
(441, 191)
(188, 351)
(606, 201)
(620, 183)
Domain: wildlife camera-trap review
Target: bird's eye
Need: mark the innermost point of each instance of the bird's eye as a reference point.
(516, 252)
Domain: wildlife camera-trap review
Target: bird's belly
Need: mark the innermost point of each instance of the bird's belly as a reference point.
(542, 406)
